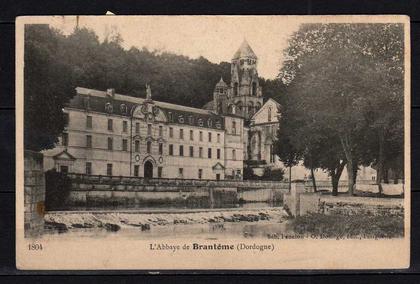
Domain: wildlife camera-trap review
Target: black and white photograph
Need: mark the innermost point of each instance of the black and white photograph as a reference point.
(213, 142)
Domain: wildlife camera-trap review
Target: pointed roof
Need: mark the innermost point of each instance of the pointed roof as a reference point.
(221, 83)
(244, 51)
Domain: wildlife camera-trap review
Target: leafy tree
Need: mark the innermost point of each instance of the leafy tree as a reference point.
(348, 81)
(47, 85)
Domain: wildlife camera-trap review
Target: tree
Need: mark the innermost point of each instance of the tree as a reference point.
(286, 150)
(347, 79)
(47, 87)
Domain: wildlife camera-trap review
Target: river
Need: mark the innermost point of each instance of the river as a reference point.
(251, 221)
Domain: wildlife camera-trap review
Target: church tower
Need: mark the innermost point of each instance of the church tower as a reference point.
(245, 92)
(220, 97)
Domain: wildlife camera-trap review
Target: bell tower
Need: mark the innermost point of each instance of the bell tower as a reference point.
(245, 92)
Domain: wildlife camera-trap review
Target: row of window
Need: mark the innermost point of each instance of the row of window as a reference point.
(149, 147)
(124, 126)
(149, 129)
(200, 152)
(109, 167)
(191, 136)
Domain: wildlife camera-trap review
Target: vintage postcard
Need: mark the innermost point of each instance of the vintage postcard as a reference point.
(213, 142)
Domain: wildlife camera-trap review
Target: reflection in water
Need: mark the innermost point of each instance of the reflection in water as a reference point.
(165, 206)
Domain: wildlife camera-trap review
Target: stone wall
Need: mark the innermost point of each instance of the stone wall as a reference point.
(305, 203)
(103, 191)
(34, 194)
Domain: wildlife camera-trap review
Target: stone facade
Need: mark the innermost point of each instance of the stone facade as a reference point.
(118, 135)
(34, 194)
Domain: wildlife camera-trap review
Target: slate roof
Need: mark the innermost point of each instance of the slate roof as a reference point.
(244, 51)
(98, 101)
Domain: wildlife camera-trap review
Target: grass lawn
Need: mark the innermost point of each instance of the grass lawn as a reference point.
(349, 226)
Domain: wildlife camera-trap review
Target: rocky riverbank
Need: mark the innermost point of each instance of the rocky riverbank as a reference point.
(63, 221)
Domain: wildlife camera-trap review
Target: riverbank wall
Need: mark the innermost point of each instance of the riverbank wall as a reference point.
(103, 191)
(299, 201)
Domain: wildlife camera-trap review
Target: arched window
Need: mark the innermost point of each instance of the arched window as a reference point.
(235, 89)
(108, 107)
(269, 114)
(123, 109)
(239, 107)
(254, 89)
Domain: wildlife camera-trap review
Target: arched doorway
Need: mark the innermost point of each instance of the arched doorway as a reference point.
(148, 169)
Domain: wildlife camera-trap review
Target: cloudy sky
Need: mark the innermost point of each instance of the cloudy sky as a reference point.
(215, 38)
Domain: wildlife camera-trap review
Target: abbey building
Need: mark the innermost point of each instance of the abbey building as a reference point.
(114, 134)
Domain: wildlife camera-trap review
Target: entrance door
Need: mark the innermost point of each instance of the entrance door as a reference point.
(148, 169)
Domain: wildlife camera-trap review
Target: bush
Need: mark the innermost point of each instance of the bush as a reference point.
(349, 226)
(57, 189)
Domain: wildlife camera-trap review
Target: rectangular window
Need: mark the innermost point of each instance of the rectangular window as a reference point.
(88, 122)
(233, 127)
(181, 134)
(171, 132)
(160, 170)
(110, 124)
(218, 153)
(200, 152)
(181, 150)
(217, 176)
(65, 139)
(191, 151)
(125, 126)
(109, 143)
(149, 129)
(160, 149)
(137, 128)
(209, 153)
(136, 170)
(171, 150)
(137, 146)
(218, 137)
(233, 155)
(88, 141)
(200, 173)
(180, 172)
(191, 135)
(209, 136)
(88, 168)
(149, 147)
(170, 116)
(160, 130)
(109, 169)
(201, 136)
(124, 145)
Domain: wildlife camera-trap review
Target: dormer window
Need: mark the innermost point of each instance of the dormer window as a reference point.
(200, 122)
(108, 108)
(181, 119)
(123, 109)
(190, 119)
(209, 122)
(170, 117)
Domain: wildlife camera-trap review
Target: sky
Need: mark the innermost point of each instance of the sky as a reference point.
(214, 37)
